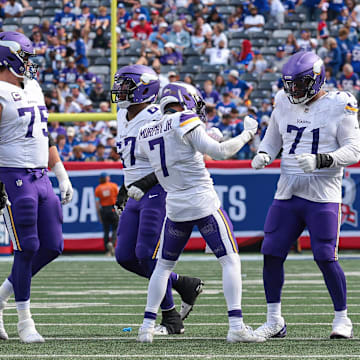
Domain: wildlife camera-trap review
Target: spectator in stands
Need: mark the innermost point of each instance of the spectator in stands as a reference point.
(171, 56)
(71, 141)
(89, 77)
(62, 35)
(88, 106)
(219, 35)
(322, 29)
(122, 41)
(265, 110)
(254, 21)
(103, 18)
(98, 93)
(335, 7)
(334, 58)
(65, 18)
(70, 106)
(114, 156)
(63, 90)
(239, 90)
(343, 18)
(77, 154)
(104, 106)
(179, 36)
(150, 54)
(122, 15)
(187, 25)
(100, 41)
(47, 29)
(99, 153)
(64, 150)
(355, 15)
(291, 46)
(138, 5)
(134, 20)
(218, 55)
(80, 49)
(55, 129)
(85, 21)
(160, 36)
(225, 126)
(225, 106)
(289, 7)
(198, 41)
(189, 79)
(324, 49)
(246, 54)
(313, 8)
(220, 84)
(234, 24)
(211, 96)
(206, 29)
(155, 19)
(279, 60)
(277, 12)
(51, 105)
(214, 17)
(196, 8)
(344, 44)
(354, 57)
(88, 142)
(77, 96)
(306, 43)
(69, 74)
(143, 30)
(13, 9)
(349, 80)
(172, 76)
(330, 82)
(40, 48)
(258, 65)
(212, 116)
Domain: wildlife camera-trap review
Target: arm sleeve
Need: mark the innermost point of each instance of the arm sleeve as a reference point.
(51, 141)
(203, 143)
(348, 137)
(272, 141)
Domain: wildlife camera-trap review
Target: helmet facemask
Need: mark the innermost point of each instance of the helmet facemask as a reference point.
(123, 91)
(300, 90)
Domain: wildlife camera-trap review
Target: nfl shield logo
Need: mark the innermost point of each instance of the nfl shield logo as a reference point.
(19, 182)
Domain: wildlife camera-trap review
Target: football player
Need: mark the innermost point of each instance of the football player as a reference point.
(32, 212)
(135, 90)
(175, 146)
(318, 132)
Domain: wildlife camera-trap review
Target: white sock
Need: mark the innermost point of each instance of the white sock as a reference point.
(236, 323)
(6, 290)
(23, 310)
(232, 282)
(158, 283)
(273, 312)
(148, 323)
(341, 315)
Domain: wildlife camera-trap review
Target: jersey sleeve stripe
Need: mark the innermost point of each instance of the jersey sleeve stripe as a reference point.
(348, 107)
(189, 121)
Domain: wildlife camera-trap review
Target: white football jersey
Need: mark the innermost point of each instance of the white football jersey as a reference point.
(322, 127)
(135, 166)
(24, 141)
(179, 168)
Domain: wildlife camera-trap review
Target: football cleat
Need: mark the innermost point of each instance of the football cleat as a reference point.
(27, 332)
(145, 335)
(171, 323)
(189, 289)
(342, 329)
(272, 330)
(246, 334)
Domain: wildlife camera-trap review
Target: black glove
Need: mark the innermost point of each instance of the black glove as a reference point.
(323, 161)
(146, 183)
(121, 200)
(4, 200)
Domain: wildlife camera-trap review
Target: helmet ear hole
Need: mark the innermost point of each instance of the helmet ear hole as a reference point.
(187, 98)
(145, 91)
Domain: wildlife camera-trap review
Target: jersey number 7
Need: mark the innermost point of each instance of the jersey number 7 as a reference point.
(315, 142)
(160, 141)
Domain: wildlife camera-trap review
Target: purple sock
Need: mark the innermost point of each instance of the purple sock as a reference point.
(335, 281)
(273, 276)
(21, 274)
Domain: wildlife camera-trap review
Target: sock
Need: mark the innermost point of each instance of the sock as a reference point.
(273, 313)
(235, 320)
(6, 290)
(148, 323)
(341, 315)
(168, 301)
(232, 282)
(273, 277)
(23, 310)
(335, 281)
(158, 284)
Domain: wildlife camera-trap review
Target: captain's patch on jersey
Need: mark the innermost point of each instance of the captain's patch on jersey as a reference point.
(16, 96)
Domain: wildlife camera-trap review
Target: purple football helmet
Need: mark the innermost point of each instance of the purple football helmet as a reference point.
(303, 76)
(135, 84)
(15, 51)
(188, 96)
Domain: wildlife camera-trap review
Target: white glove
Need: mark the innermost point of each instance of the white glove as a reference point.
(260, 161)
(307, 162)
(250, 125)
(215, 134)
(135, 193)
(66, 190)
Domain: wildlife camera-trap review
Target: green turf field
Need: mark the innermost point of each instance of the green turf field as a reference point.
(81, 307)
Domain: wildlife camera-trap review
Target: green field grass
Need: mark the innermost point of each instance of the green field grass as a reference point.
(81, 308)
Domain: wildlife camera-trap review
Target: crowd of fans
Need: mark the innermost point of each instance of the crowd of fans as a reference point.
(232, 50)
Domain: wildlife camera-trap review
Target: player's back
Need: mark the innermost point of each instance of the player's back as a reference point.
(179, 168)
(23, 126)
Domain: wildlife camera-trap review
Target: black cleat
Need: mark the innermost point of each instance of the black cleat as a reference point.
(171, 323)
(189, 289)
